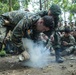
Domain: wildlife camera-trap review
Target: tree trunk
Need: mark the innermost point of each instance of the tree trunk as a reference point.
(40, 5)
(10, 5)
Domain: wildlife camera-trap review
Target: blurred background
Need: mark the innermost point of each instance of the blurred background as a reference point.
(68, 7)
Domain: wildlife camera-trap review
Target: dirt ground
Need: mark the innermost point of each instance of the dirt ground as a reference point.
(10, 66)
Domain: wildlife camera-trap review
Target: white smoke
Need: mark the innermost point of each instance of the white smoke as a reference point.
(39, 56)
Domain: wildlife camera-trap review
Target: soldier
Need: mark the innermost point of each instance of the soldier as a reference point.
(54, 11)
(67, 42)
(33, 22)
(8, 21)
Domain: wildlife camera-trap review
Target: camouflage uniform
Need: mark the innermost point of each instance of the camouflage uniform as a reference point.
(70, 46)
(22, 27)
(13, 17)
(56, 11)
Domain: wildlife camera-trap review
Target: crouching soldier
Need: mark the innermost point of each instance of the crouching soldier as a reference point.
(8, 21)
(54, 11)
(67, 42)
(33, 22)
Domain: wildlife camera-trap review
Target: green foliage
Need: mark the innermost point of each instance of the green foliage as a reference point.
(15, 5)
(3, 8)
(4, 5)
(72, 8)
(56, 1)
(70, 17)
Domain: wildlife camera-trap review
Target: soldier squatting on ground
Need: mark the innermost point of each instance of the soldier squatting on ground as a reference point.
(54, 11)
(7, 22)
(67, 42)
(33, 22)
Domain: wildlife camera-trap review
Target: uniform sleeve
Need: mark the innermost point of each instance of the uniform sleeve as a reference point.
(72, 41)
(9, 15)
(18, 33)
(57, 42)
(13, 17)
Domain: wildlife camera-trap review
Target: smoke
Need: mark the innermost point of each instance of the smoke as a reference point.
(39, 56)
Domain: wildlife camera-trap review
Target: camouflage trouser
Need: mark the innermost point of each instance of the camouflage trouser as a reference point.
(68, 50)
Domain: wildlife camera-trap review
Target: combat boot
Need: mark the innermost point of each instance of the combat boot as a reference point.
(58, 56)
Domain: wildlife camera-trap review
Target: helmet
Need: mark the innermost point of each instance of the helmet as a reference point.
(55, 9)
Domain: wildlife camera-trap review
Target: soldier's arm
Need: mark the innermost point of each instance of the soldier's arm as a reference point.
(72, 41)
(7, 17)
(57, 41)
(11, 18)
(21, 28)
(17, 36)
(18, 33)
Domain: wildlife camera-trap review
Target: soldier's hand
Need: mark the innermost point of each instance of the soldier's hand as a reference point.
(65, 43)
(43, 37)
(7, 22)
(52, 38)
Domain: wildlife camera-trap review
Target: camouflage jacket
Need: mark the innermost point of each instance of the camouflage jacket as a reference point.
(22, 27)
(56, 43)
(70, 40)
(14, 17)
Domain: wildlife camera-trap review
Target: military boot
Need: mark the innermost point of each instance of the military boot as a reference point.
(58, 56)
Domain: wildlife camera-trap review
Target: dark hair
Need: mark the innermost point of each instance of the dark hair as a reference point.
(67, 30)
(48, 21)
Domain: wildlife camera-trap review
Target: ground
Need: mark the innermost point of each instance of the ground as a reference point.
(10, 66)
